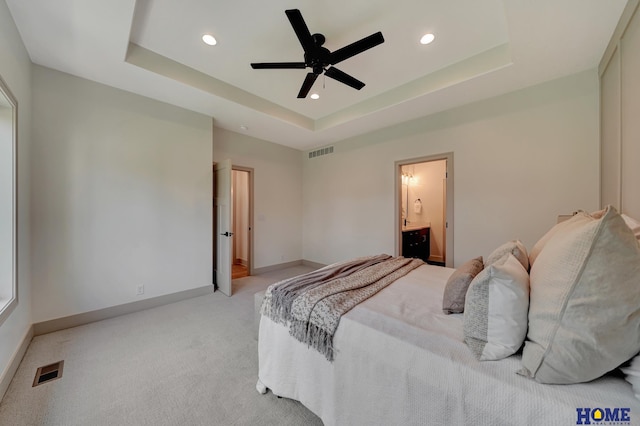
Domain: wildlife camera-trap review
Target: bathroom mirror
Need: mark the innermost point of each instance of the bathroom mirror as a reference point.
(8, 201)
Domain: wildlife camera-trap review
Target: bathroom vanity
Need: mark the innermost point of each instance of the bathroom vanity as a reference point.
(416, 241)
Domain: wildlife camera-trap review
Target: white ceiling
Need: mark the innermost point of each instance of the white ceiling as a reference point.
(483, 48)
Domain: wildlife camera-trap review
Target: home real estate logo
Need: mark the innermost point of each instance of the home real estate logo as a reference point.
(603, 416)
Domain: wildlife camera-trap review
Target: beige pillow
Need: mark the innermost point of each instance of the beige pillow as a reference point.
(580, 216)
(584, 312)
(457, 285)
(495, 311)
(515, 247)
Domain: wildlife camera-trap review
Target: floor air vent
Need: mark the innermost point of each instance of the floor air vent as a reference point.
(48, 373)
(321, 151)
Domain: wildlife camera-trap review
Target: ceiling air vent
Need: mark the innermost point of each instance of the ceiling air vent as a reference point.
(322, 151)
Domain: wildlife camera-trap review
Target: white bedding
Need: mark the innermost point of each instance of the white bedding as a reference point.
(400, 361)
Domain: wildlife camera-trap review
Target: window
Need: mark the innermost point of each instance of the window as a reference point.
(8, 202)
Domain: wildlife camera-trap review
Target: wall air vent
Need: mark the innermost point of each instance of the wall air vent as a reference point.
(322, 151)
(48, 373)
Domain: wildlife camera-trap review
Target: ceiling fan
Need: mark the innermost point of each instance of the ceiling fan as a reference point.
(318, 58)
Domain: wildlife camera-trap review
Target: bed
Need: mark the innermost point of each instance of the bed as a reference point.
(400, 360)
(549, 335)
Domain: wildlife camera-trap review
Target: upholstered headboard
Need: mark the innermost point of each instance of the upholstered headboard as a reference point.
(620, 116)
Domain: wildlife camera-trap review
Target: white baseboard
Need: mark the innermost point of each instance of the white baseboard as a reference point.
(277, 267)
(14, 362)
(86, 318)
(270, 268)
(57, 324)
(311, 264)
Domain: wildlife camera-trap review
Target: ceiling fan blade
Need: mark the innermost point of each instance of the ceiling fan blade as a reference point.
(301, 29)
(355, 48)
(343, 77)
(306, 86)
(278, 65)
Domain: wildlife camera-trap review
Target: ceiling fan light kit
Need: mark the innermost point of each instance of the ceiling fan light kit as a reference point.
(319, 58)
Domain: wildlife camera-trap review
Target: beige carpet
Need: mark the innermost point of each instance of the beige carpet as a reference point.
(192, 362)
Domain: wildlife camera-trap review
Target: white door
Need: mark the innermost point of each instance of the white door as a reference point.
(224, 208)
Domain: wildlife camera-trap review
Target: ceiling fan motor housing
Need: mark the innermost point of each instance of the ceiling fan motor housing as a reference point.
(318, 57)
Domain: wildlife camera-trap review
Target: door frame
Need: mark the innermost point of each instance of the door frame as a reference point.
(214, 236)
(397, 224)
(250, 171)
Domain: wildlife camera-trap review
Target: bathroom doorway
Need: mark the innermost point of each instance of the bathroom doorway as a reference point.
(242, 221)
(424, 214)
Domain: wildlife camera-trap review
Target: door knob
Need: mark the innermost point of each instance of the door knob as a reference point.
(227, 234)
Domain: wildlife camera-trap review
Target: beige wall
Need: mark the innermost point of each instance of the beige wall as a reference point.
(519, 160)
(15, 69)
(122, 197)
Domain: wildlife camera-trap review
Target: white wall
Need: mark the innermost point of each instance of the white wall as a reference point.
(122, 196)
(519, 160)
(277, 194)
(15, 69)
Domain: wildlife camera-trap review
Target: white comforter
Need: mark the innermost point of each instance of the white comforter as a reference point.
(400, 361)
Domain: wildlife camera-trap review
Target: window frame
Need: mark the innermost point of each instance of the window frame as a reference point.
(7, 306)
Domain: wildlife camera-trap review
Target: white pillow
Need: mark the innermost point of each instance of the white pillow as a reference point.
(584, 312)
(515, 247)
(580, 216)
(633, 224)
(495, 310)
(632, 375)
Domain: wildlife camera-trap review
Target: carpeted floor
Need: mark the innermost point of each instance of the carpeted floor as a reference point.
(192, 362)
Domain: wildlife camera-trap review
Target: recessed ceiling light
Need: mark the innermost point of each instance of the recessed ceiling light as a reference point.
(209, 39)
(315, 96)
(243, 127)
(427, 38)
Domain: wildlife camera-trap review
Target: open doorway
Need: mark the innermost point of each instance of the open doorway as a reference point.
(241, 194)
(232, 224)
(424, 218)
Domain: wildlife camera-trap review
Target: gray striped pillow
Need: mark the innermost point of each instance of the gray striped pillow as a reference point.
(495, 311)
(458, 284)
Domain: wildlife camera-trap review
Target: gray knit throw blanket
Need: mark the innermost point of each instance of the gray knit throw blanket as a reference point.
(312, 304)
